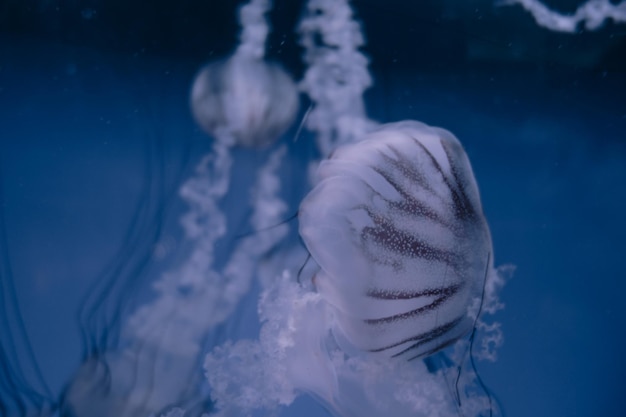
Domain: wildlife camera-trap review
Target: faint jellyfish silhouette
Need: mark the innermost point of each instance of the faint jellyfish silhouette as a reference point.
(244, 99)
(120, 374)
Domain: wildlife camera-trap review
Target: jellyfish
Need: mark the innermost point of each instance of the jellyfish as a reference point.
(244, 99)
(237, 99)
(402, 205)
(384, 317)
(404, 271)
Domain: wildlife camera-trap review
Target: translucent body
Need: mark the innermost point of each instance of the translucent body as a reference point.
(396, 226)
(244, 101)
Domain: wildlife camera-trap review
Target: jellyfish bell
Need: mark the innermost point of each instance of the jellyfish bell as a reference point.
(244, 101)
(396, 225)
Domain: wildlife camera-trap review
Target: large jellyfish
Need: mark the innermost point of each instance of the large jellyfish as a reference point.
(405, 270)
(402, 205)
(404, 263)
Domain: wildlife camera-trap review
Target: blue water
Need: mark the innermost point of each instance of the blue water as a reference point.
(85, 128)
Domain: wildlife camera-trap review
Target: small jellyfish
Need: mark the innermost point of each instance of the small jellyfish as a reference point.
(244, 101)
(396, 226)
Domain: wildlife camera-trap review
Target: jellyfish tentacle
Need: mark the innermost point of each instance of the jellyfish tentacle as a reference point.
(593, 13)
(336, 74)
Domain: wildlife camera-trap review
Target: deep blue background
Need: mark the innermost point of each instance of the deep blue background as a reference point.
(87, 89)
